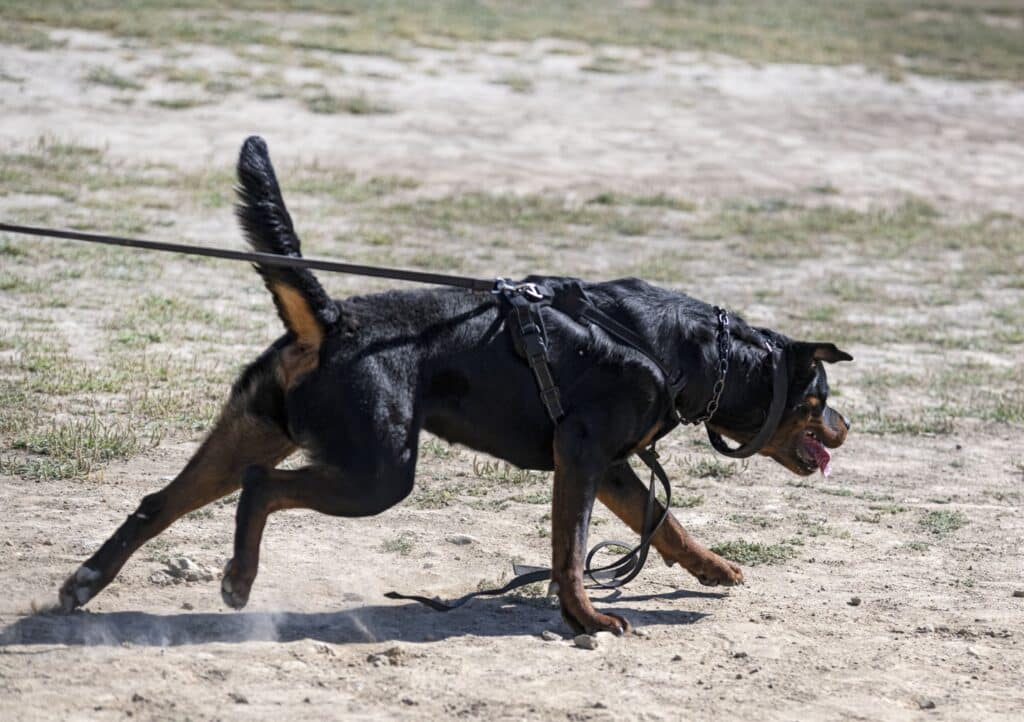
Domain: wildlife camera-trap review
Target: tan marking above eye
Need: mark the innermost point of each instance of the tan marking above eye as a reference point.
(813, 401)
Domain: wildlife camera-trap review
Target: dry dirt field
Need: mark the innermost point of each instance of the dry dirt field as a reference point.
(866, 193)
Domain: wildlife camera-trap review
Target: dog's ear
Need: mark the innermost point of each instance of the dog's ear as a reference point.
(806, 353)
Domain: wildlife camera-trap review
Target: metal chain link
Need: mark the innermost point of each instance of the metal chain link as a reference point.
(723, 368)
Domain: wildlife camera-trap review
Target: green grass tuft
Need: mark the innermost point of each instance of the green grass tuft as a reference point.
(750, 553)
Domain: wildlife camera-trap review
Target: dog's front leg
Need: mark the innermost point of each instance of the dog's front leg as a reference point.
(578, 471)
(622, 491)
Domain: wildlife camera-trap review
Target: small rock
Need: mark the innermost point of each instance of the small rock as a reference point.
(393, 657)
(586, 641)
(854, 601)
(238, 698)
(926, 629)
(976, 651)
(161, 578)
(187, 606)
(462, 539)
(739, 655)
(1018, 593)
(548, 636)
(138, 698)
(642, 633)
(925, 703)
(677, 658)
(187, 570)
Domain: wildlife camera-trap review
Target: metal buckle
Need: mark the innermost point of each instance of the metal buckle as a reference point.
(528, 290)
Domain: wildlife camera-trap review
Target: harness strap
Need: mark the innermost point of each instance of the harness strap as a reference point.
(532, 336)
(574, 303)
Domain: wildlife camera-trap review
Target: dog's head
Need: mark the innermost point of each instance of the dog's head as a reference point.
(809, 426)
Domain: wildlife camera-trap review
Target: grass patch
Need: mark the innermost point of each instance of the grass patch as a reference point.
(502, 471)
(762, 522)
(944, 522)
(750, 553)
(401, 544)
(73, 449)
(956, 39)
(431, 497)
(656, 200)
(327, 104)
(687, 501)
(711, 468)
(515, 82)
(107, 77)
(179, 103)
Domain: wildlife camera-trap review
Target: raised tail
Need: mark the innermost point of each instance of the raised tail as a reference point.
(302, 303)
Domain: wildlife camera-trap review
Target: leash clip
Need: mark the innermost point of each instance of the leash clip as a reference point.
(528, 290)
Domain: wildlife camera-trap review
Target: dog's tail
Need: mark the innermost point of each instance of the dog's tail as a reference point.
(302, 303)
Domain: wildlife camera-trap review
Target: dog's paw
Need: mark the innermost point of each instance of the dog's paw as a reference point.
(234, 587)
(79, 588)
(717, 571)
(596, 622)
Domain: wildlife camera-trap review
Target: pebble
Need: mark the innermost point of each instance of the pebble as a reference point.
(393, 657)
(854, 601)
(548, 636)
(187, 570)
(925, 703)
(642, 633)
(1018, 593)
(739, 655)
(187, 606)
(586, 641)
(462, 539)
(161, 578)
(238, 698)
(679, 658)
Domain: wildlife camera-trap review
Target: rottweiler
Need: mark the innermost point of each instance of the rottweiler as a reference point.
(353, 381)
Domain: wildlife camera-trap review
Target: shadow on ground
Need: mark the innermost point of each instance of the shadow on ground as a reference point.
(371, 623)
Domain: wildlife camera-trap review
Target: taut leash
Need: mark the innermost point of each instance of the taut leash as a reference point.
(263, 259)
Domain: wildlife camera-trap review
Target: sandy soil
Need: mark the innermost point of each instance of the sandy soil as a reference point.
(937, 631)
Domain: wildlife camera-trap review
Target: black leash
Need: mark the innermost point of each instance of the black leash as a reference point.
(263, 259)
(610, 576)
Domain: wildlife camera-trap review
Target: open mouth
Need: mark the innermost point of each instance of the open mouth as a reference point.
(813, 454)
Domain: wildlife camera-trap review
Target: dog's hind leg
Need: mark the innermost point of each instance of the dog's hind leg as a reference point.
(623, 492)
(238, 440)
(321, 488)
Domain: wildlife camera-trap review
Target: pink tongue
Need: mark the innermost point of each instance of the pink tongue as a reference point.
(823, 457)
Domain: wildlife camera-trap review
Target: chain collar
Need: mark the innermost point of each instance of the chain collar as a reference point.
(722, 336)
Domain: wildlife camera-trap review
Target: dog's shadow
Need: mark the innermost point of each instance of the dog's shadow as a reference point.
(371, 623)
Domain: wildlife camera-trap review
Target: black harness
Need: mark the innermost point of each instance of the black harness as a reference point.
(525, 303)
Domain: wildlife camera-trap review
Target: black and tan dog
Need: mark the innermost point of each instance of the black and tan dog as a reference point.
(354, 381)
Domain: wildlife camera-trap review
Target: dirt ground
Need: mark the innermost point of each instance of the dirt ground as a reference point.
(884, 592)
